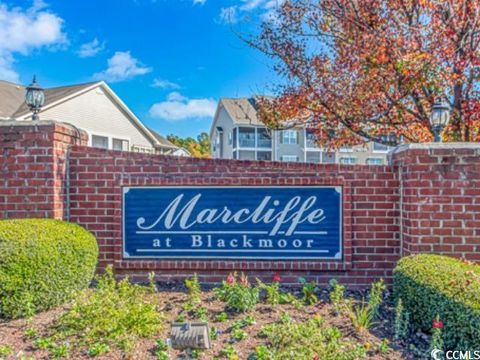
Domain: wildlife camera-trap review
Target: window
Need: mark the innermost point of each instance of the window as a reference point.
(230, 138)
(289, 137)
(348, 160)
(141, 149)
(100, 141)
(289, 158)
(346, 148)
(374, 161)
(119, 144)
(328, 158)
(380, 147)
(264, 155)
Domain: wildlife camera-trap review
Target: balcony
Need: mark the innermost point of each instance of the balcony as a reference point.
(246, 142)
(252, 138)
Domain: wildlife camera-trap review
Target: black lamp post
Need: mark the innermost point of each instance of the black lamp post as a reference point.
(439, 118)
(35, 98)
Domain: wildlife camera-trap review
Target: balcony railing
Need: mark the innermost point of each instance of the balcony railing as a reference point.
(249, 143)
(264, 143)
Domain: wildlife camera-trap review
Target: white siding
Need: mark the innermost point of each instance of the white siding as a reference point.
(96, 113)
(224, 121)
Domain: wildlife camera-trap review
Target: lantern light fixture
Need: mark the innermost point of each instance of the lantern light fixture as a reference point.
(35, 98)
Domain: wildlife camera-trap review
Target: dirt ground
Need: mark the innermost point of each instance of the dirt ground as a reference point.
(12, 332)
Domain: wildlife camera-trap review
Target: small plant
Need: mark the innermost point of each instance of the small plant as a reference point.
(214, 332)
(221, 317)
(384, 347)
(152, 285)
(229, 353)
(115, 313)
(200, 313)
(401, 321)
(308, 289)
(261, 353)
(375, 297)
(337, 296)
(285, 318)
(194, 290)
(161, 350)
(238, 294)
(195, 353)
(240, 324)
(272, 291)
(308, 340)
(161, 355)
(30, 333)
(238, 334)
(180, 318)
(98, 349)
(59, 351)
(43, 343)
(436, 341)
(363, 315)
(5, 350)
(289, 298)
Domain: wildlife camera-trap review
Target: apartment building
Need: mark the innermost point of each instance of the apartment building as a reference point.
(237, 133)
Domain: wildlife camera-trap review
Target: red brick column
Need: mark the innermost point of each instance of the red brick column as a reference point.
(33, 168)
(440, 198)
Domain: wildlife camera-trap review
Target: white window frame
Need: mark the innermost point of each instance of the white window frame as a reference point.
(289, 158)
(346, 149)
(110, 137)
(122, 140)
(374, 158)
(100, 136)
(348, 158)
(290, 137)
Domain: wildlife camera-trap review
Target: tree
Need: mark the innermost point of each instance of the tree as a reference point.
(197, 148)
(361, 70)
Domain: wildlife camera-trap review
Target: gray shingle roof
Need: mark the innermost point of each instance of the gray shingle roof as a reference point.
(162, 140)
(12, 97)
(241, 110)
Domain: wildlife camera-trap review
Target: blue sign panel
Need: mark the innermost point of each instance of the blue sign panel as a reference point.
(300, 222)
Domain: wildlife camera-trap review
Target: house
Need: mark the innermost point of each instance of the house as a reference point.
(93, 107)
(237, 133)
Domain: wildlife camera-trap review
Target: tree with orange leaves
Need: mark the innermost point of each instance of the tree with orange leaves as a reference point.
(362, 70)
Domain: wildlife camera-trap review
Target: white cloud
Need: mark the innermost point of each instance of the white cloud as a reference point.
(178, 107)
(250, 4)
(228, 15)
(122, 66)
(164, 84)
(199, 2)
(264, 8)
(23, 30)
(91, 48)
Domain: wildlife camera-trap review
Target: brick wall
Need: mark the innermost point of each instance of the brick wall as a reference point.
(440, 188)
(32, 168)
(428, 200)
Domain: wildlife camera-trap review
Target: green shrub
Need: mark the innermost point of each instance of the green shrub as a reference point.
(43, 263)
(431, 285)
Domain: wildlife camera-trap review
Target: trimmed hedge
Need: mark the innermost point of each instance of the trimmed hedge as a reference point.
(431, 285)
(43, 263)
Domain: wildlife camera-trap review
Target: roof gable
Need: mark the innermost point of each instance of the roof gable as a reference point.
(53, 95)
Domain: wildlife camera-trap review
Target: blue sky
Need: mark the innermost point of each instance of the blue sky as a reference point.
(169, 60)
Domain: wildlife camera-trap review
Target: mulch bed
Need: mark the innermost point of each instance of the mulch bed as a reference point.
(12, 332)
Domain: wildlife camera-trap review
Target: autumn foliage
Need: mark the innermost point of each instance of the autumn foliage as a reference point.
(372, 69)
(199, 147)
